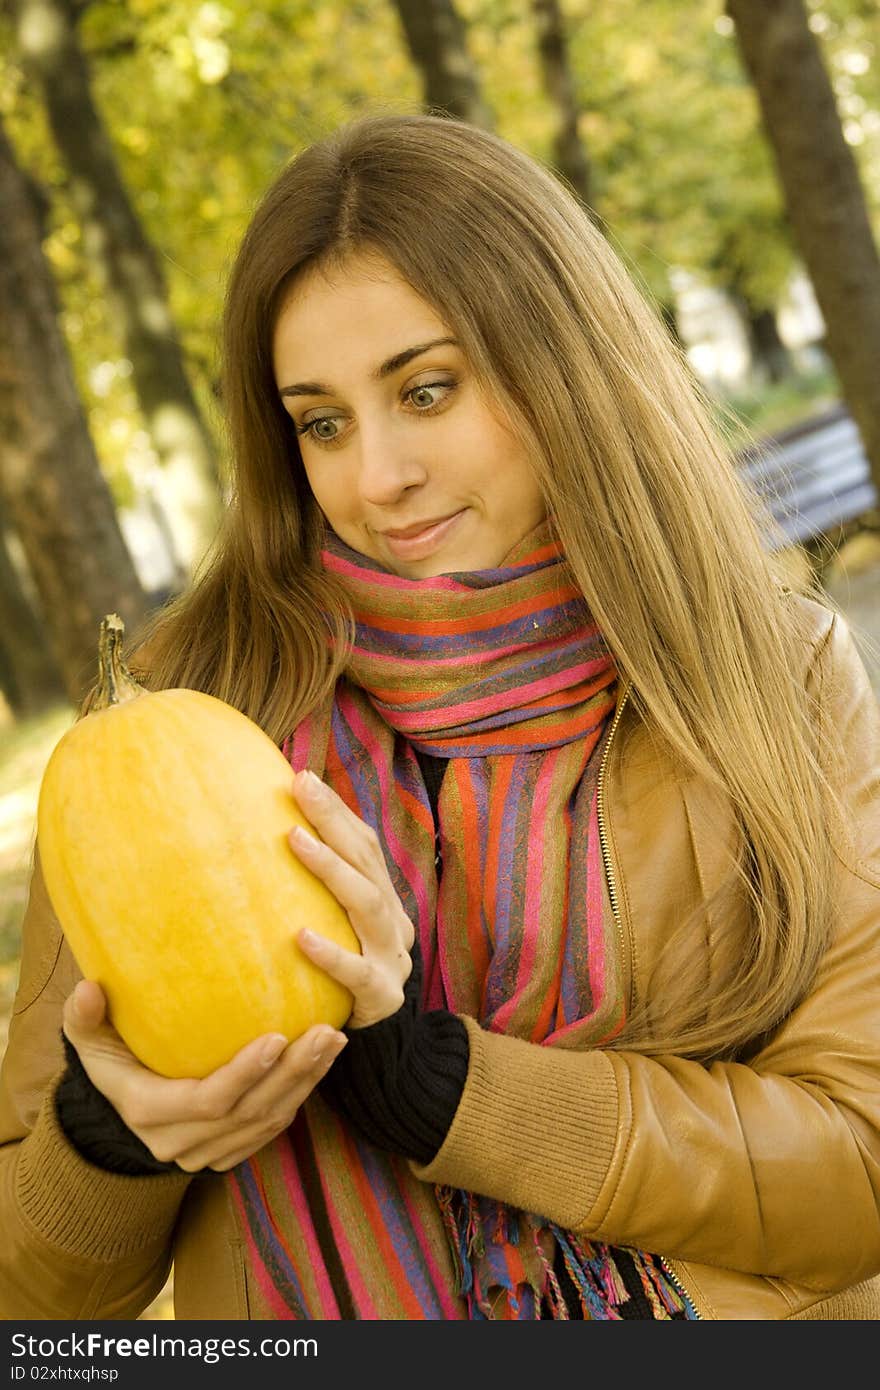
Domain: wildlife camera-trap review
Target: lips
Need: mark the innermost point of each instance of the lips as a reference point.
(421, 540)
(406, 533)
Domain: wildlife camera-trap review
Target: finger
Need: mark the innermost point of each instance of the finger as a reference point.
(224, 1164)
(101, 1050)
(215, 1095)
(109, 1063)
(332, 819)
(373, 989)
(85, 1009)
(373, 909)
(297, 1071)
(270, 1106)
(153, 1104)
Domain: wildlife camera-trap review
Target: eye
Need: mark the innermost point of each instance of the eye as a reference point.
(426, 398)
(308, 428)
(447, 386)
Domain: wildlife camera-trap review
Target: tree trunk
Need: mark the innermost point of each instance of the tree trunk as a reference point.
(823, 195)
(51, 487)
(29, 675)
(569, 155)
(435, 33)
(769, 352)
(770, 358)
(128, 267)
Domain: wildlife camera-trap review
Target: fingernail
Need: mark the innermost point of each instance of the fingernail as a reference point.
(328, 1049)
(272, 1050)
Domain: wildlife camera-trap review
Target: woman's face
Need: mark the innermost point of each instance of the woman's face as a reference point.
(394, 432)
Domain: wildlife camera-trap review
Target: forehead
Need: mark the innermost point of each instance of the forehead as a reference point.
(365, 283)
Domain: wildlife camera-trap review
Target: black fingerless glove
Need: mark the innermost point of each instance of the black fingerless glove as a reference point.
(95, 1129)
(398, 1082)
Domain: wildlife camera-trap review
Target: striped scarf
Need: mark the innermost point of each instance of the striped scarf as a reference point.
(503, 672)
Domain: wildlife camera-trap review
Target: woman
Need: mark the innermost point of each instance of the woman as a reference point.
(599, 792)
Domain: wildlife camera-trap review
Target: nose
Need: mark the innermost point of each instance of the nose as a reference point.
(388, 466)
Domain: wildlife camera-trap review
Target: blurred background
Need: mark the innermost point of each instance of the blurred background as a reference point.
(730, 152)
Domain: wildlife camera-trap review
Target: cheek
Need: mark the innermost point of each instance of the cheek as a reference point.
(526, 501)
(497, 454)
(336, 497)
(314, 483)
(323, 493)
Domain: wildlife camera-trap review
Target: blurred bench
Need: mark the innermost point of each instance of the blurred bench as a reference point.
(815, 475)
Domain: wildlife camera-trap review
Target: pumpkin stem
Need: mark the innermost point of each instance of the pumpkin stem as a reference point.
(115, 682)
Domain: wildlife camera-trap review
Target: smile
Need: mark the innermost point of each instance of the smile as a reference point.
(425, 542)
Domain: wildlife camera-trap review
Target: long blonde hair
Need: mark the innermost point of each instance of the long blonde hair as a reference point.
(668, 549)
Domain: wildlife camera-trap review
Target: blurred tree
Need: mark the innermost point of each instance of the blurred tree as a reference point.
(30, 677)
(771, 359)
(679, 177)
(51, 486)
(205, 103)
(569, 152)
(770, 356)
(823, 194)
(127, 265)
(437, 39)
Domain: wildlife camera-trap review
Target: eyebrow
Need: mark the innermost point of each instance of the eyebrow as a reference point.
(393, 364)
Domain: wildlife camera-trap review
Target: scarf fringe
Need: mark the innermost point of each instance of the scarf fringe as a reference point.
(537, 1293)
(552, 1289)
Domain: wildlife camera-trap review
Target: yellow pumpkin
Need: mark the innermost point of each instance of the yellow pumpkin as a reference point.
(162, 827)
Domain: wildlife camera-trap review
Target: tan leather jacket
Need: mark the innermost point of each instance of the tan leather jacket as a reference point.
(759, 1184)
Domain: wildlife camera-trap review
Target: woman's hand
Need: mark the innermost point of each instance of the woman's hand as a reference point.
(214, 1122)
(352, 866)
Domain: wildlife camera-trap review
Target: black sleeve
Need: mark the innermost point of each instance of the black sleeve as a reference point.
(94, 1127)
(398, 1082)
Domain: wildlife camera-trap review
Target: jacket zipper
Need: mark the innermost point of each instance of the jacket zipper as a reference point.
(612, 894)
(603, 837)
(669, 1270)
